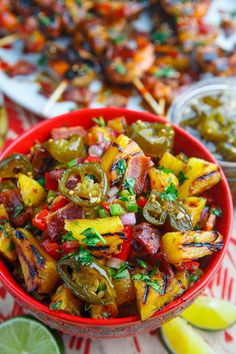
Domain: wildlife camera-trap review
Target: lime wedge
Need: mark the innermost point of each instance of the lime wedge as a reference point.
(210, 314)
(27, 336)
(180, 338)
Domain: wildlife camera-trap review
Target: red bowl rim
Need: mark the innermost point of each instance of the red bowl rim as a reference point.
(17, 291)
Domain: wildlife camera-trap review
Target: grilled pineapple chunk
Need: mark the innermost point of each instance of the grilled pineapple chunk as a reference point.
(185, 246)
(149, 300)
(201, 175)
(104, 311)
(64, 300)
(159, 179)
(7, 248)
(31, 191)
(194, 206)
(121, 148)
(39, 269)
(170, 162)
(124, 288)
(111, 229)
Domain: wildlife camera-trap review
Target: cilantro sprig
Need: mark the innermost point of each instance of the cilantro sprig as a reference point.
(129, 184)
(122, 272)
(216, 211)
(92, 237)
(170, 193)
(99, 121)
(153, 283)
(68, 237)
(182, 177)
(121, 168)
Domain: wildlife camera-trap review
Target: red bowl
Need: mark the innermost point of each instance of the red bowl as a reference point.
(127, 326)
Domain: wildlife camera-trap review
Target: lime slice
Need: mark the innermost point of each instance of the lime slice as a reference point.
(210, 314)
(27, 336)
(180, 338)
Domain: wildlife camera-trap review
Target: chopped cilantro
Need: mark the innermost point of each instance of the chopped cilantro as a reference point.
(42, 60)
(166, 170)
(170, 193)
(121, 168)
(166, 71)
(122, 272)
(182, 177)
(56, 305)
(153, 283)
(141, 263)
(84, 256)
(41, 181)
(217, 212)
(121, 69)
(119, 39)
(129, 184)
(196, 227)
(99, 121)
(92, 237)
(68, 237)
(193, 277)
(105, 315)
(160, 37)
(44, 20)
(19, 209)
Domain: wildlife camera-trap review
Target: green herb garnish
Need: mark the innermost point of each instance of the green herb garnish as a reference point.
(56, 305)
(121, 168)
(84, 256)
(18, 211)
(153, 283)
(182, 177)
(129, 184)
(68, 237)
(166, 170)
(120, 68)
(41, 181)
(141, 263)
(170, 193)
(217, 212)
(122, 272)
(166, 71)
(99, 121)
(92, 237)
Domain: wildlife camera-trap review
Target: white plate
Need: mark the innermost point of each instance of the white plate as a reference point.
(25, 92)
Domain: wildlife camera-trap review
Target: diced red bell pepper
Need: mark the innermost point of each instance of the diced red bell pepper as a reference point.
(142, 201)
(125, 249)
(93, 159)
(51, 184)
(69, 246)
(39, 220)
(190, 266)
(52, 248)
(59, 202)
(106, 206)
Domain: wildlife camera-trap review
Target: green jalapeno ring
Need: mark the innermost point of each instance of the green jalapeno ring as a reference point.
(14, 164)
(157, 211)
(82, 170)
(85, 279)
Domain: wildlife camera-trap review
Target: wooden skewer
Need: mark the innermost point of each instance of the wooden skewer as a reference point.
(11, 38)
(147, 96)
(3, 126)
(55, 96)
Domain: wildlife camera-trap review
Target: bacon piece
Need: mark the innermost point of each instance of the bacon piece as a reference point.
(137, 168)
(160, 259)
(41, 161)
(64, 132)
(55, 221)
(79, 95)
(148, 236)
(21, 67)
(13, 202)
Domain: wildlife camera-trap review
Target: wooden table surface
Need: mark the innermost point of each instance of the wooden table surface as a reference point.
(222, 286)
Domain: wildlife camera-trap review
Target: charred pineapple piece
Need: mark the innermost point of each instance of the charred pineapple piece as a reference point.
(185, 246)
(32, 192)
(201, 175)
(7, 248)
(117, 124)
(194, 206)
(171, 162)
(149, 300)
(64, 300)
(39, 269)
(121, 148)
(124, 288)
(104, 311)
(160, 180)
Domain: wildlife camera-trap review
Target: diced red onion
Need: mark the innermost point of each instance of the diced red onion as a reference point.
(112, 191)
(128, 219)
(80, 160)
(114, 262)
(95, 150)
(204, 211)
